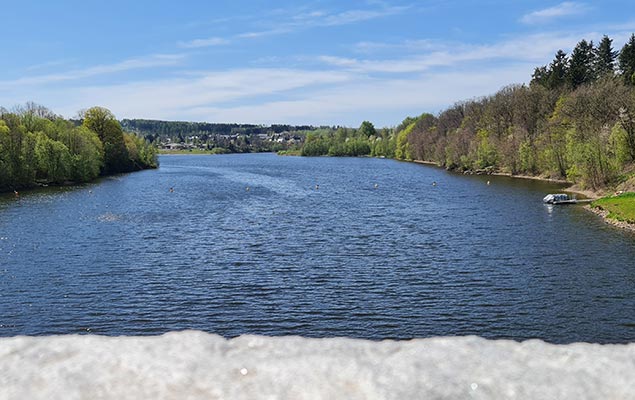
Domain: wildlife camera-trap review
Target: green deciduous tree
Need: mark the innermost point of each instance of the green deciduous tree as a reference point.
(367, 129)
(101, 121)
(53, 160)
(87, 154)
(402, 150)
(38, 147)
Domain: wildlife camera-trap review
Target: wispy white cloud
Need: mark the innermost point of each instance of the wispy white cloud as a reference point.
(425, 55)
(175, 98)
(280, 96)
(414, 64)
(346, 103)
(283, 21)
(269, 32)
(303, 16)
(389, 82)
(198, 43)
(407, 45)
(319, 18)
(565, 9)
(153, 61)
(48, 64)
(625, 26)
(382, 99)
(354, 16)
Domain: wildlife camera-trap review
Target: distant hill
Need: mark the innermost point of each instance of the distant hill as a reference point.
(173, 129)
(235, 138)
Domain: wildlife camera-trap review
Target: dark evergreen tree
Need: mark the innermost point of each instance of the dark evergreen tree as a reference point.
(540, 76)
(627, 61)
(581, 64)
(605, 57)
(558, 70)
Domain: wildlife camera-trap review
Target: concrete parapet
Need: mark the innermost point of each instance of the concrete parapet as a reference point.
(197, 365)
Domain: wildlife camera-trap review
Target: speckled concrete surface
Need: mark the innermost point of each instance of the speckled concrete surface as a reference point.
(196, 365)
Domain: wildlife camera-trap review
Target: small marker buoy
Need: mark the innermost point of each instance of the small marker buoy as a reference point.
(488, 183)
(247, 188)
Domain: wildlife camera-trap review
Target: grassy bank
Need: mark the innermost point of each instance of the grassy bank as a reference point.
(294, 152)
(620, 208)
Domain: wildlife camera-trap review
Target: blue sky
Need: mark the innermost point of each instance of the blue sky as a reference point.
(314, 62)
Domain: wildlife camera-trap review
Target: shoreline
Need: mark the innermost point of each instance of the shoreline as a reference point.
(67, 184)
(571, 187)
(587, 193)
(533, 178)
(209, 153)
(610, 221)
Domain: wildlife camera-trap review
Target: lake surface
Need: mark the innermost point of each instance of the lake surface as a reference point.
(249, 244)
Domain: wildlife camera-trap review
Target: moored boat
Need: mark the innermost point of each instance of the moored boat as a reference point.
(558, 198)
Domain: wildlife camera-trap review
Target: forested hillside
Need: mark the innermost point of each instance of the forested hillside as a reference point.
(38, 147)
(574, 121)
(155, 129)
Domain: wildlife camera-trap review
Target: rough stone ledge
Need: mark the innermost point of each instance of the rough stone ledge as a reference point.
(197, 365)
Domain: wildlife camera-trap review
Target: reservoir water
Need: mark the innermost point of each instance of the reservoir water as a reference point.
(318, 247)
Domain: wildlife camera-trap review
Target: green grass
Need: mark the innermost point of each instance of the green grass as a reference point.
(290, 153)
(621, 208)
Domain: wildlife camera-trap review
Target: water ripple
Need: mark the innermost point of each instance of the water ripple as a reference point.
(127, 256)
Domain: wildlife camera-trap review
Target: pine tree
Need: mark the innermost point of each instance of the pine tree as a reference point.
(540, 76)
(558, 70)
(627, 61)
(581, 64)
(605, 57)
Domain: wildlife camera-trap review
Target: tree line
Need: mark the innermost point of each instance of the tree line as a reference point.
(220, 138)
(574, 121)
(178, 131)
(38, 147)
(587, 64)
(349, 142)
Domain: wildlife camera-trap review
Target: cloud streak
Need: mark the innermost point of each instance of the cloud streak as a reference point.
(177, 98)
(566, 9)
(339, 102)
(381, 81)
(316, 19)
(153, 61)
(198, 43)
(427, 54)
(355, 16)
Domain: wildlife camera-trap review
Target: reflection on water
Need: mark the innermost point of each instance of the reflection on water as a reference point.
(312, 246)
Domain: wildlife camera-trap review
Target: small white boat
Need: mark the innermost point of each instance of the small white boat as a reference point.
(558, 198)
